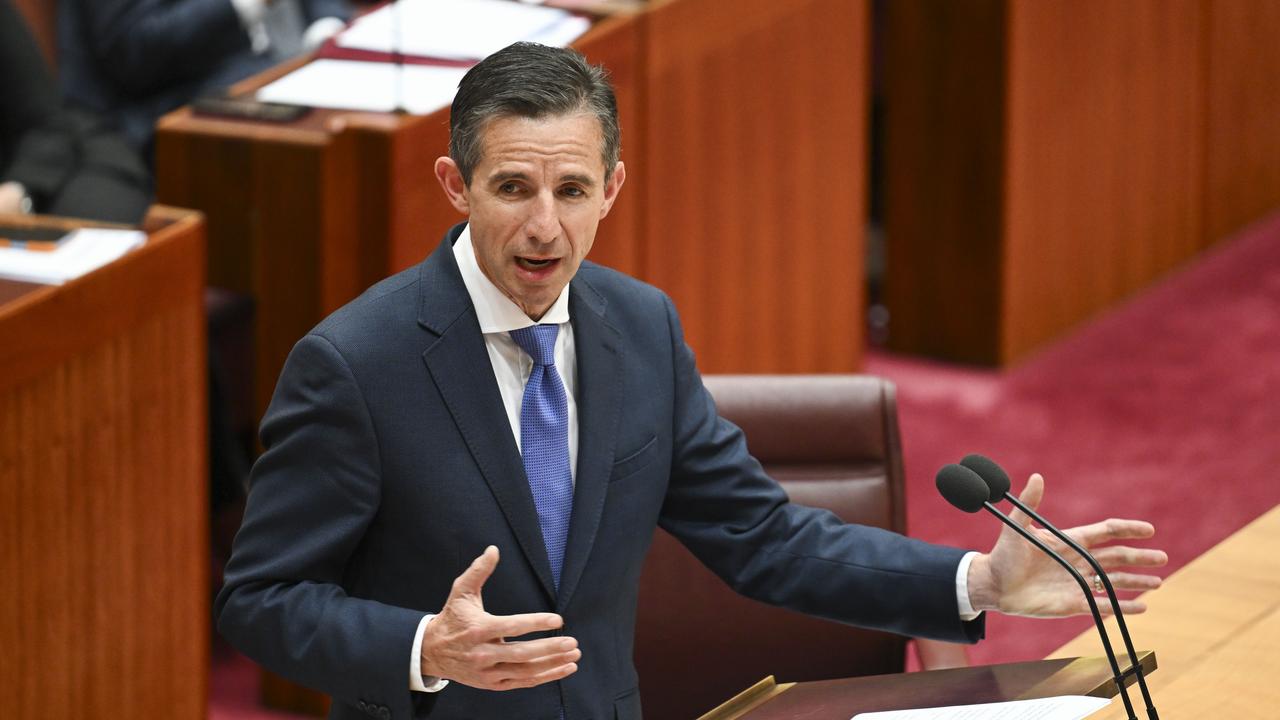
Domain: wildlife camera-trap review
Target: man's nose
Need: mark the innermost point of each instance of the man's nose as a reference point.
(543, 223)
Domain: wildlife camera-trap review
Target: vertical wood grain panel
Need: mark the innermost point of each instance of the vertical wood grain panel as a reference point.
(286, 250)
(1103, 181)
(417, 211)
(944, 67)
(1242, 150)
(755, 179)
(103, 481)
(616, 44)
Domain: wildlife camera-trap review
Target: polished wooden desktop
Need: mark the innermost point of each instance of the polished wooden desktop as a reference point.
(1216, 625)
(104, 606)
(842, 699)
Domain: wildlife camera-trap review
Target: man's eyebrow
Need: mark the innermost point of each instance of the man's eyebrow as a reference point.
(501, 177)
(511, 175)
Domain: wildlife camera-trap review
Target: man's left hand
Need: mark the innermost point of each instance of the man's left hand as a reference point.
(1016, 578)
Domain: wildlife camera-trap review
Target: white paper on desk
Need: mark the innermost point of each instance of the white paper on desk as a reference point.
(1066, 707)
(358, 85)
(84, 251)
(459, 29)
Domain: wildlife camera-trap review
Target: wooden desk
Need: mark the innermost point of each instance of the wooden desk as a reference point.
(744, 199)
(842, 699)
(304, 216)
(1216, 625)
(104, 606)
(1045, 159)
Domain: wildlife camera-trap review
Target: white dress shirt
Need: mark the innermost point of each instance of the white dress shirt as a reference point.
(511, 368)
(253, 17)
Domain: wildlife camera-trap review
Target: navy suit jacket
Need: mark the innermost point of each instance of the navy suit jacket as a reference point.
(390, 464)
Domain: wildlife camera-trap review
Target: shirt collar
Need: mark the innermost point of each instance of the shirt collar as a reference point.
(494, 310)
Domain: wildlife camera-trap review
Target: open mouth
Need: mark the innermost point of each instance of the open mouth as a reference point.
(535, 264)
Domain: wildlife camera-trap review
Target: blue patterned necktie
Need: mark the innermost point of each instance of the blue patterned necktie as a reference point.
(544, 441)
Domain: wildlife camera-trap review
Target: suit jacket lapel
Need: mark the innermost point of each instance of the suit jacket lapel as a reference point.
(599, 380)
(459, 364)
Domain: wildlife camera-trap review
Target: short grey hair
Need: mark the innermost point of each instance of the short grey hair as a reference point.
(531, 81)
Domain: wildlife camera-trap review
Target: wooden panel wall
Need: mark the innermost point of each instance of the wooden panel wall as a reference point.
(103, 491)
(1242, 149)
(1102, 173)
(755, 179)
(1048, 158)
(944, 96)
(272, 208)
(617, 44)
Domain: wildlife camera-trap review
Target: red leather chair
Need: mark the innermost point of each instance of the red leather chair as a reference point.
(832, 441)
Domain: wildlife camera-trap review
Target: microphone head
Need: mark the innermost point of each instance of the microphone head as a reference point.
(993, 475)
(962, 487)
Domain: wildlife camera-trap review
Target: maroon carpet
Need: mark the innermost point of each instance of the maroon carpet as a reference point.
(1167, 409)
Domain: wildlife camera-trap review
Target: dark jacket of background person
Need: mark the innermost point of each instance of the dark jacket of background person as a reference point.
(71, 162)
(135, 60)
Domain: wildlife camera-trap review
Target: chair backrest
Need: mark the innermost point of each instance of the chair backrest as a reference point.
(832, 441)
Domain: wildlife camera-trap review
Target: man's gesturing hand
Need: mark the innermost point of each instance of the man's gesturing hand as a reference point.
(1017, 579)
(466, 644)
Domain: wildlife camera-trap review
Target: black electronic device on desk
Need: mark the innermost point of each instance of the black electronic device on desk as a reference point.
(247, 108)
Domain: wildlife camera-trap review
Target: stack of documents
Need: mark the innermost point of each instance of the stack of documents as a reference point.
(463, 31)
(1066, 707)
(82, 251)
(372, 86)
(459, 29)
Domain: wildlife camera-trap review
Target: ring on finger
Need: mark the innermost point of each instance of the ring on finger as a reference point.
(1097, 584)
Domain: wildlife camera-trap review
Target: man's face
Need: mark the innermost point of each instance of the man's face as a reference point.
(534, 202)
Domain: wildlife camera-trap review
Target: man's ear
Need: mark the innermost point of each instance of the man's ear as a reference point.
(451, 182)
(612, 187)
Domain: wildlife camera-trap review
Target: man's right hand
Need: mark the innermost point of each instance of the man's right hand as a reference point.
(465, 644)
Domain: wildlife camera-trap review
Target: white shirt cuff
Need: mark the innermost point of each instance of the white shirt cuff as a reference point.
(417, 682)
(321, 30)
(251, 14)
(967, 612)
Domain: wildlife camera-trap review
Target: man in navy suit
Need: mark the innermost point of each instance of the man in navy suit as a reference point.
(400, 462)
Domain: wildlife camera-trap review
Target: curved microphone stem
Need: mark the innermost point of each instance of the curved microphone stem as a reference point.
(1093, 604)
(1134, 666)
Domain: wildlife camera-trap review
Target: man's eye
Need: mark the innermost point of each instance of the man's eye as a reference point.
(573, 191)
(508, 188)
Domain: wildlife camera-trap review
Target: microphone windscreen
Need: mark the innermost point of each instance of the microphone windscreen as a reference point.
(962, 487)
(992, 474)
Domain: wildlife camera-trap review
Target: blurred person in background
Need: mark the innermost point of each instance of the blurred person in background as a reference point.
(135, 60)
(57, 158)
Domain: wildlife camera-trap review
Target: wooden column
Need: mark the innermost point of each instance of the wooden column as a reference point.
(1242, 134)
(755, 178)
(103, 486)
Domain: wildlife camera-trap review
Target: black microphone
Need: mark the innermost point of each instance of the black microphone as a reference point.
(966, 490)
(997, 481)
